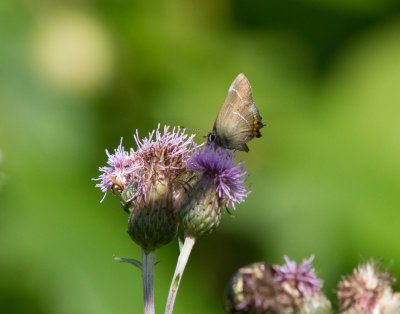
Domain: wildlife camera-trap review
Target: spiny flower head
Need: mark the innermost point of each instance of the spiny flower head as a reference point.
(220, 182)
(301, 278)
(368, 290)
(258, 288)
(215, 165)
(150, 182)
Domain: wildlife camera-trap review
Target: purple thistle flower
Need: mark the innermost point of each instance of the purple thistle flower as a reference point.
(150, 183)
(258, 288)
(216, 166)
(301, 278)
(220, 182)
(164, 157)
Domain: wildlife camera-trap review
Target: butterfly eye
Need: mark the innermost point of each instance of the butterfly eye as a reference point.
(211, 137)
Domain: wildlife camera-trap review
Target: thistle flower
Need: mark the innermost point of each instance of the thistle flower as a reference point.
(216, 166)
(368, 290)
(150, 181)
(220, 183)
(289, 288)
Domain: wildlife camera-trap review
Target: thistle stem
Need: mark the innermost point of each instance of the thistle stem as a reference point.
(148, 279)
(180, 267)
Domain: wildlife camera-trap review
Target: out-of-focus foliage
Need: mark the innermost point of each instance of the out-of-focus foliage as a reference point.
(76, 76)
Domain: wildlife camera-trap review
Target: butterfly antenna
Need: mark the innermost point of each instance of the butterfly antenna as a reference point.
(189, 129)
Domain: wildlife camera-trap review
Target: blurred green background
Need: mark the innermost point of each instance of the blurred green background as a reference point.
(75, 76)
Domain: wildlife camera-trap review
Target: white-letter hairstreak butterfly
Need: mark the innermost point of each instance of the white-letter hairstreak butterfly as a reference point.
(238, 120)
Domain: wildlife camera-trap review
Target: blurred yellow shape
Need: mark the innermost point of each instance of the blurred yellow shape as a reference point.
(73, 51)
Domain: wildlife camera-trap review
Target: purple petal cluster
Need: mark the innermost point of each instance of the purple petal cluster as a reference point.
(121, 166)
(161, 158)
(301, 277)
(216, 165)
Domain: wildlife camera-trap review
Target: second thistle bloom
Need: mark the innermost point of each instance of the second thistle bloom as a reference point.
(220, 183)
(288, 288)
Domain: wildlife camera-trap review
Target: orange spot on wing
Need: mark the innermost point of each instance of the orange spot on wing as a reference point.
(256, 126)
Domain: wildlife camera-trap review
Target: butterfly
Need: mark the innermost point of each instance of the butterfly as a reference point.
(238, 120)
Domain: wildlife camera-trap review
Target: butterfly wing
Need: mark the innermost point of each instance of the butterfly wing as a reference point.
(239, 120)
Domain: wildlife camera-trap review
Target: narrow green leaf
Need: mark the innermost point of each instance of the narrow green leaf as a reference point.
(134, 262)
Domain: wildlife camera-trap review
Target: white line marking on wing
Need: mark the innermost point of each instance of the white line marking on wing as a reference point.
(235, 90)
(234, 112)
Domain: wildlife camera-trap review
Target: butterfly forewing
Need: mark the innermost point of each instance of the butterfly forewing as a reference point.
(238, 120)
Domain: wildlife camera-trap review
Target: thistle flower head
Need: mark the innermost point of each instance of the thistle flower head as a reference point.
(368, 290)
(150, 181)
(257, 288)
(215, 165)
(220, 182)
(300, 278)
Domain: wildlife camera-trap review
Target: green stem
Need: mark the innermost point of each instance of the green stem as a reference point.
(148, 279)
(180, 267)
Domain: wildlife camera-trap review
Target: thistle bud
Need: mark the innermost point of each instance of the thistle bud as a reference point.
(152, 222)
(200, 213)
